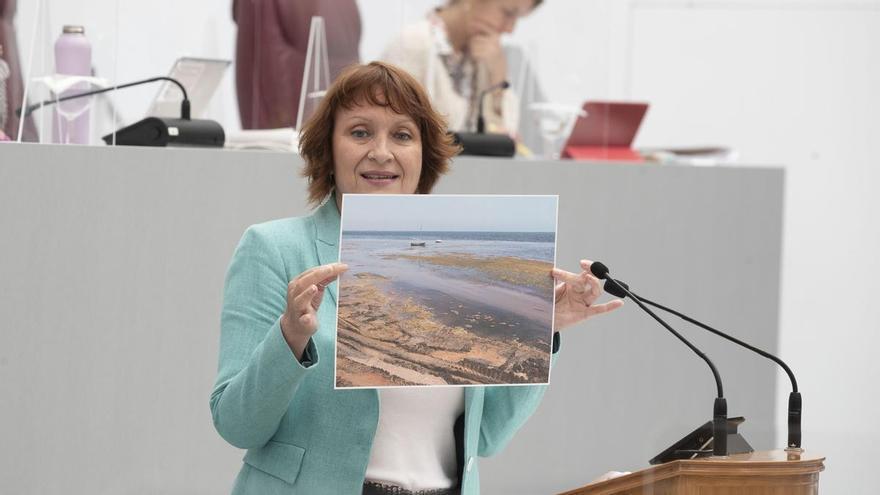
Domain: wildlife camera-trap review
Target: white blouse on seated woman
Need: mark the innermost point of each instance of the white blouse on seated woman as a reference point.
(454, 81)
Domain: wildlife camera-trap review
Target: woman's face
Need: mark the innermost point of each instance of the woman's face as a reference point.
(496, 16)
(376, 151)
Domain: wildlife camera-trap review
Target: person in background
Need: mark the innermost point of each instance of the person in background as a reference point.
(456, 54)
(270, 54)
(12, 87)
(375, 131)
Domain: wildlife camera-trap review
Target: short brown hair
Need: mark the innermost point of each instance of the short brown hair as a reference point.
(382, 84)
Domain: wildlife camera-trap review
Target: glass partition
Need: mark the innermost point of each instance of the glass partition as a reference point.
(70, 49)
(245, 63)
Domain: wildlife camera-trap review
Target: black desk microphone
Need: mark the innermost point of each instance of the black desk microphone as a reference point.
(153, 131)
(481, 122)
(719, 415)
(621, 289)
(480, 143)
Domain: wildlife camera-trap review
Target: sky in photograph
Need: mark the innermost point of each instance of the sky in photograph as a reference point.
(435, 212)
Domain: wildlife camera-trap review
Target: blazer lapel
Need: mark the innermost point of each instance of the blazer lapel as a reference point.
(473, 413)
(326, 220)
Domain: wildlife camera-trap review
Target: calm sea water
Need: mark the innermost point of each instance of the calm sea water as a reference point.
(529, 245)
(444, 287)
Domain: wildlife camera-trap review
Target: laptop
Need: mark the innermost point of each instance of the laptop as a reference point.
(200, 76)
(607, 132)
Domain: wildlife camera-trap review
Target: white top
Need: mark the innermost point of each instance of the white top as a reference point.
(423, 50)
(414, 446)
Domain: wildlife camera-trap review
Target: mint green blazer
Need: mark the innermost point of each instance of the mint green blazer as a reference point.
(302, 436)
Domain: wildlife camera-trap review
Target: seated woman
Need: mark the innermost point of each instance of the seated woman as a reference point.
(456, 54)
(274, 392)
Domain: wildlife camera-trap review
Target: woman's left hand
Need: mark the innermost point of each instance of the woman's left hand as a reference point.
(576, 295)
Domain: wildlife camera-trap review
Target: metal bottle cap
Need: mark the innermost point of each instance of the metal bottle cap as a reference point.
(74, 30)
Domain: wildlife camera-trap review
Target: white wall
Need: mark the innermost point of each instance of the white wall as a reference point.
(791, 82)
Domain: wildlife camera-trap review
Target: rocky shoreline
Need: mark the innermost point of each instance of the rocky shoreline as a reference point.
(389, 339)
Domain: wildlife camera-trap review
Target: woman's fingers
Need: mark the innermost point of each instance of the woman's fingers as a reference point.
(309, 321)
(564, 276)
(559, 291)
(321, 275)
(595, 283)
(484, 27)
(324, 283)
(584, 284)
(585, 265)
(598, 309)
(302, 303)
(577, 283)
(595, 286)
(305, 293)
(324, 273)
(307, 272)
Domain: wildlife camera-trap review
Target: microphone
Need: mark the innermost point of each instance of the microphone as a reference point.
(152, 131)
(619, 289)
(481, 122)
(481, 144)
(719, 413)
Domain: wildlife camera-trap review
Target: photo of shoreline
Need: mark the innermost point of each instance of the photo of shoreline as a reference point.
(465, 306)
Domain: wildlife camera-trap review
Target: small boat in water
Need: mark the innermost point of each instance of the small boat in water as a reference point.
(415, 243)
(438, 241)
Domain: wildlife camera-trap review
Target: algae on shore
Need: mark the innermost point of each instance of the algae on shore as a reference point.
(517, 271)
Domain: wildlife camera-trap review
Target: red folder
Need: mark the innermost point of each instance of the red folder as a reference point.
(616, 153)
(607, 132)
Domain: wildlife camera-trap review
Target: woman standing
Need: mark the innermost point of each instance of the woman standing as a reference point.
(374, 132)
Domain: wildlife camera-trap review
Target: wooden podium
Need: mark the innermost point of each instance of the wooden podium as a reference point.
(774, 472)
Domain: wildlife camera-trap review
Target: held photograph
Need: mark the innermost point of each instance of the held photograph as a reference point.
(445, 290)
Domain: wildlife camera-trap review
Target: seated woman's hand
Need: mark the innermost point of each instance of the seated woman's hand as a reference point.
(304, 295)
(576, 296)
(485, 48)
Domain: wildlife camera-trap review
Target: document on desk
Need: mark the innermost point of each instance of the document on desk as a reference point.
(445, 290)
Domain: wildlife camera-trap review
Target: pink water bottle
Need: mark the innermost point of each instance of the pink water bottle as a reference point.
(73, 57)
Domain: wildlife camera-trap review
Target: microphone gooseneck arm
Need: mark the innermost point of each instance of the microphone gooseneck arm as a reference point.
(725, 336)
(184, 105)
(686, 342)
(719, 412)
(795, 402)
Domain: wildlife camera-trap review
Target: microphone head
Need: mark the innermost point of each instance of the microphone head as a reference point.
(599, 270)
(616, 288)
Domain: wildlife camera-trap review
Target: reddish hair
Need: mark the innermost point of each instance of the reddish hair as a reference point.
(380, 84)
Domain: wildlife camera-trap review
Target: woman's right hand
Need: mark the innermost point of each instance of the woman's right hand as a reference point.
(304, 295)
(485, 48)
